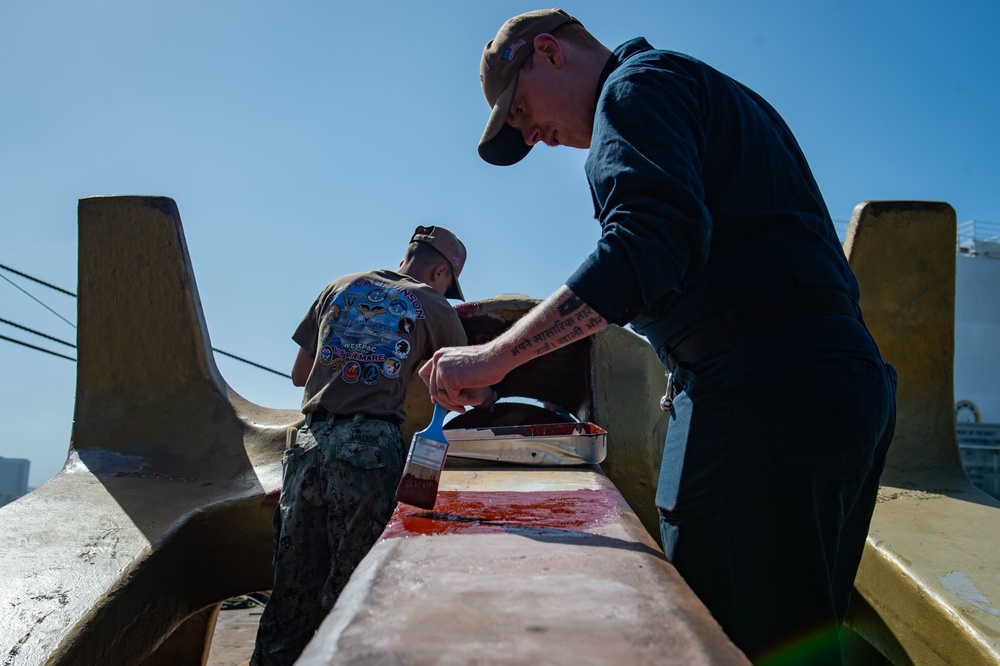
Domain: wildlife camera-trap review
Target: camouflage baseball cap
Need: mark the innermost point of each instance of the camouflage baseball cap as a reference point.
(447, 243)
(503, 56)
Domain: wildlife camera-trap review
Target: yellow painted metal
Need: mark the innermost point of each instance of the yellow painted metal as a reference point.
(163, 508)
(189, 643)
(931, 568)
(160, 511)
(626, 384)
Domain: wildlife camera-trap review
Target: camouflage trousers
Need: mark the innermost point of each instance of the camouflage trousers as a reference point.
(337, 490)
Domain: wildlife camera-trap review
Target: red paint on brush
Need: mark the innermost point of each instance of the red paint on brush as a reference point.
(417, 492)
(424, 462)
(465, 512)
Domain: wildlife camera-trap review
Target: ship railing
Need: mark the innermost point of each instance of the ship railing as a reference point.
(978, 238)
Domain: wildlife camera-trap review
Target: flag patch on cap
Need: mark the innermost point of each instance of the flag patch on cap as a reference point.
(508, 53)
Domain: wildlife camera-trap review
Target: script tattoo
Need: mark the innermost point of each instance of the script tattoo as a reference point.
(570, 326)
(521, 346)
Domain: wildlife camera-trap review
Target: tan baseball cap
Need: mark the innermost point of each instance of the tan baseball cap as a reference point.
(447, 243)
(503, 56)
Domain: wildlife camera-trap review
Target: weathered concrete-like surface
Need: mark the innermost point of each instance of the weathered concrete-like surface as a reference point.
(524, 566)
(161, 510)
(164, 506)
(928, 591)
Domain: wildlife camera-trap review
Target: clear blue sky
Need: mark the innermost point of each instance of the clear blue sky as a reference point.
(304, 140)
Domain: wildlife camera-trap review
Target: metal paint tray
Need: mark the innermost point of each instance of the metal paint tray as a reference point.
(541, 444)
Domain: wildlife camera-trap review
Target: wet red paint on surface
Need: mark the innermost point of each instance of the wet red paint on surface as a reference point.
(466, 512)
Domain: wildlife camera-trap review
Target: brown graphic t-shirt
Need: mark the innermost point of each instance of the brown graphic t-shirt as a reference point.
(367, 333)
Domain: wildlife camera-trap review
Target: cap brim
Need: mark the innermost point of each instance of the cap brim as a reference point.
(501, 144)
(455, 291)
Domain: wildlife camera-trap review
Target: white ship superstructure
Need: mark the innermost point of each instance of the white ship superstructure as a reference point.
(977, 351)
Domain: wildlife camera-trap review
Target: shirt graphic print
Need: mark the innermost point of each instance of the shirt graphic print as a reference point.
(366, 333)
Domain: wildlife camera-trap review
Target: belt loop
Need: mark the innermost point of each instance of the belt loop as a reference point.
(309, 419)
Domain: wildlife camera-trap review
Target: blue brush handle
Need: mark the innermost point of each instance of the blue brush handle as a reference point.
(434, 430)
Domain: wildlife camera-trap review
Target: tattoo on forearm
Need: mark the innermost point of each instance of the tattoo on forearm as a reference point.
(564, 330)
(520, 347)
(569, 305)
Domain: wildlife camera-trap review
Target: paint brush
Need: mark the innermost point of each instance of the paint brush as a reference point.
(419, 484)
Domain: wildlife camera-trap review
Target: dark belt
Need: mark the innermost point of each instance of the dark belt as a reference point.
(320, 415)
(739, 323)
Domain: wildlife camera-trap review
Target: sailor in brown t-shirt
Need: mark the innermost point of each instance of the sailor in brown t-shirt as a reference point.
(360, 343)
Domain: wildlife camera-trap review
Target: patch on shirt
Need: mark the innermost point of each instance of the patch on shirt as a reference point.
(352, 370)
(366, 330)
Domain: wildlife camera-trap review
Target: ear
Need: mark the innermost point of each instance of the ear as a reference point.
(550, 49)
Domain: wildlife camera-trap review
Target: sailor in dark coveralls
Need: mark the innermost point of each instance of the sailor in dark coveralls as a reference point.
(716, 245)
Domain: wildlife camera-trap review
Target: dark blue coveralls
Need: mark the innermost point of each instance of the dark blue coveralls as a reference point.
(718, 247)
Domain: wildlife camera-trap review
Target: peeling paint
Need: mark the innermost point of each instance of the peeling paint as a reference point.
(962, 587)
(103, 462)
